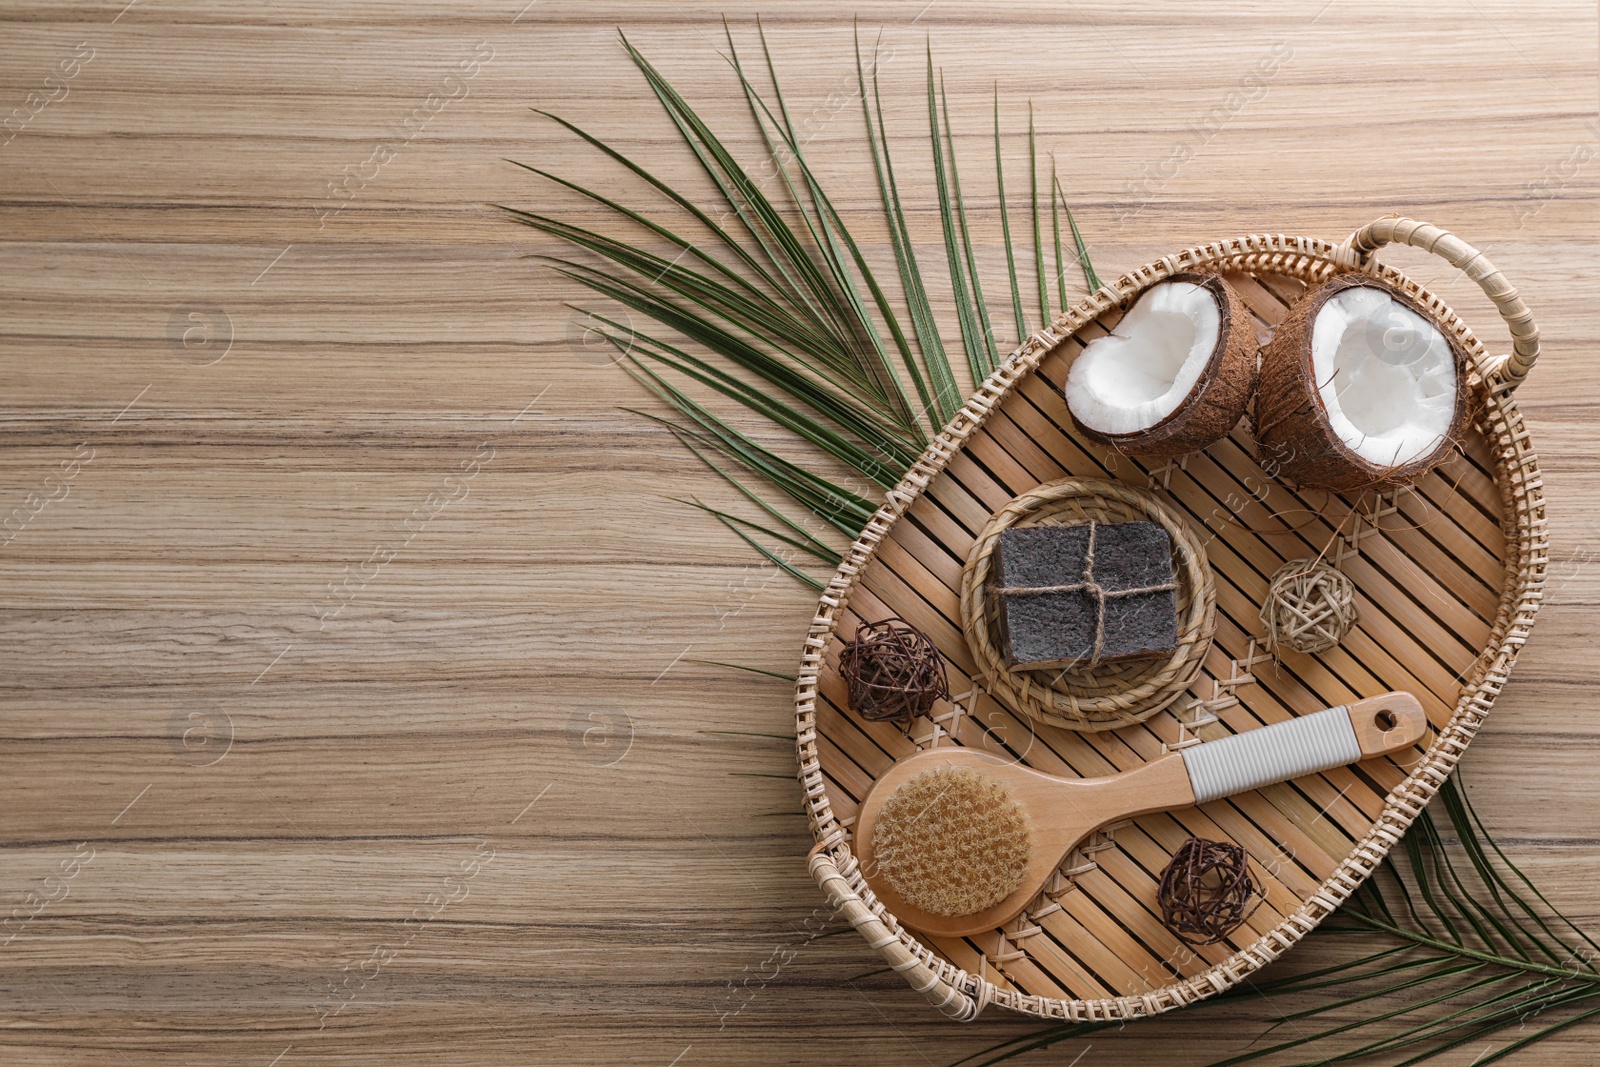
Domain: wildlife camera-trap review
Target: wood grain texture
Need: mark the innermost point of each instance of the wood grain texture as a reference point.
(228, 787)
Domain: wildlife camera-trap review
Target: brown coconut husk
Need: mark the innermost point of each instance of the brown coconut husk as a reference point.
(1296, 441)
(1220, 396)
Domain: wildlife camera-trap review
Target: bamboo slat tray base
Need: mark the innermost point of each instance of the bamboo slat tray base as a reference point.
(1445, 600)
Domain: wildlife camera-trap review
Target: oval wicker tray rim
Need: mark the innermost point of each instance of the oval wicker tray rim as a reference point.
(961, 995)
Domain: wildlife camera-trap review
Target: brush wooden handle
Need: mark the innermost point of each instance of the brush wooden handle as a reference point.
(1063, 811)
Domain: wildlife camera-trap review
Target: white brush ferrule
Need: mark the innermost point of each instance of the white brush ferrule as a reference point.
(1272, 754)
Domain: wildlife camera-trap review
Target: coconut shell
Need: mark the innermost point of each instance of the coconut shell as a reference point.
(1220, 396)
(1296, 441)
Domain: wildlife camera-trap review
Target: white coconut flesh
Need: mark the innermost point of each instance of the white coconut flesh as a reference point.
(1386, 375)
(1140, 373)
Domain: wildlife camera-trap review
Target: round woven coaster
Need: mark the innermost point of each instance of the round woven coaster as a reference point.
(1111, 694)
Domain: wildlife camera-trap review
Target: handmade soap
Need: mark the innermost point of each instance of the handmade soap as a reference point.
(1077, 596)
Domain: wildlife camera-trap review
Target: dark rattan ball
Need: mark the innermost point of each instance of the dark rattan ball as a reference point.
(892, 671)
(1207, 891)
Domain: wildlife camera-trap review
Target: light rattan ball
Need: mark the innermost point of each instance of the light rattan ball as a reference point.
(1310, 606)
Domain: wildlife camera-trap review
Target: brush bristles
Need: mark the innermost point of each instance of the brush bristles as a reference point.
(951, 841)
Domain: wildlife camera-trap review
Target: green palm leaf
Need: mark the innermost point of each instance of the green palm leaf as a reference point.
(1005, 223)
(779, 314)
(792, 321)
(946, 394)
(977, 340)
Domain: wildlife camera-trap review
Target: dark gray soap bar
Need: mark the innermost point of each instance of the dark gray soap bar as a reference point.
(1057, 629)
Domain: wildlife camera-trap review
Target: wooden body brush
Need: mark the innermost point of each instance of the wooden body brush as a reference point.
(956, 841)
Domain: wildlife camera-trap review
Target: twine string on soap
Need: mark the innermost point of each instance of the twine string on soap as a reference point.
(1088, 585)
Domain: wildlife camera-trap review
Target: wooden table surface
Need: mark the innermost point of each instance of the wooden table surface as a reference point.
(351, 643)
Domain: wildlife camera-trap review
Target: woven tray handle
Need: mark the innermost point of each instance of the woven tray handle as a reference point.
(1511, 369)
(951, 1001)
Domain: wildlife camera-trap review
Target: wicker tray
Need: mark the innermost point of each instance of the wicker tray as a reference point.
(1448, 577)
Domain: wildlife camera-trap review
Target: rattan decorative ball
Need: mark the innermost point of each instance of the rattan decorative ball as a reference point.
(892, 670)
(1207, 891)
(1310, 606)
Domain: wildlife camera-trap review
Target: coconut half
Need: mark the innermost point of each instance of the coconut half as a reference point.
(1174, 375)
(1359, 390)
